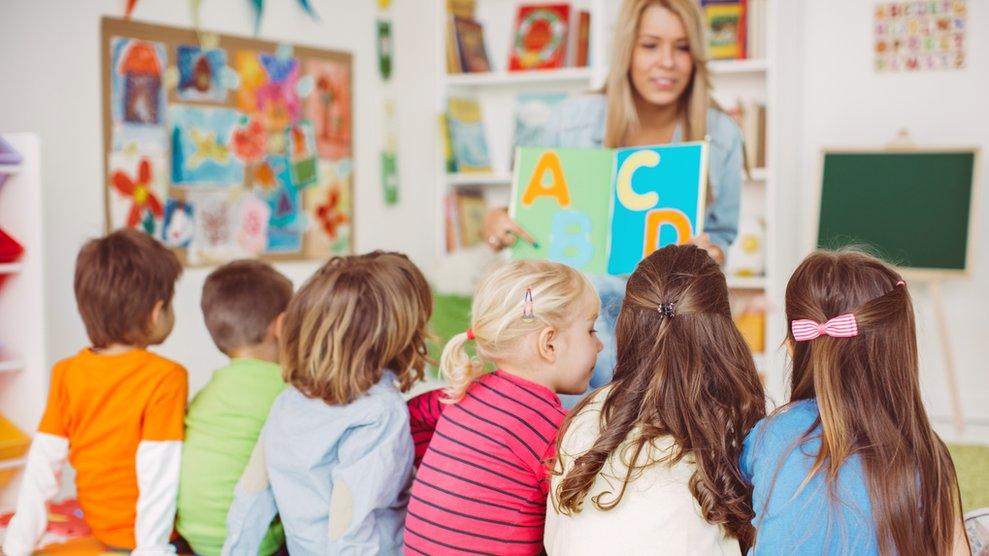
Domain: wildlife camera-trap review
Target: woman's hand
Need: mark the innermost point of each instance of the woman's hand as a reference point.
(500, 231)
(704, 242)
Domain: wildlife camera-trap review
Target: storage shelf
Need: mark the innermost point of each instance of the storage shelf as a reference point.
(746, 282)
(11, 366)
(513, 78)
(478, 179)
(757, 174)
(10, 168)
(735, 67)
(12, 464)
(11, 268)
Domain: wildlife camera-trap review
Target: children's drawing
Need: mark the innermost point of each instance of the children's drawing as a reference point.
(178, 225)
(138, 188)
(329, 211)
(250, 142)
(201, 73)
(302, 153)
(328, 107)
(252, 227)
(201, 140)
(285, 225)
(137, 96)
(213, 237)
(268, 87)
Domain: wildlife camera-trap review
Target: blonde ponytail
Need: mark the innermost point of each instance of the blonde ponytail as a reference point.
(459, 368)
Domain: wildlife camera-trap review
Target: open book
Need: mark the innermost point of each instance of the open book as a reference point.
(604, 210)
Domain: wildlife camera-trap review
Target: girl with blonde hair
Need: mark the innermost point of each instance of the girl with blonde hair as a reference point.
(658, 91)
(334, 459)
(481, 485)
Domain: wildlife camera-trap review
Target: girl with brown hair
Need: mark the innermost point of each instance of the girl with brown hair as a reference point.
(649, 463)
(851, 464)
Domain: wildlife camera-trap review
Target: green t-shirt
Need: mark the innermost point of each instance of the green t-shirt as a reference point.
(221, 429)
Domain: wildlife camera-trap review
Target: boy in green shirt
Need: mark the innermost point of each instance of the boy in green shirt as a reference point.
(243, 303)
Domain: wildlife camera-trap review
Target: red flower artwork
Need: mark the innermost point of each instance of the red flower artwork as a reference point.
(139, 192)
(329, 214)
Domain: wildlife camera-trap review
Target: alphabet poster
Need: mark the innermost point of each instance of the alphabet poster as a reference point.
(603, 210)
(920, 35)
(224, 147)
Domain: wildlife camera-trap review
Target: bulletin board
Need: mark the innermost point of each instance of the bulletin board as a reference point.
(226, 147)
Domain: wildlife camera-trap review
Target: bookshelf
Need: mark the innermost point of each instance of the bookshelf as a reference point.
(751, 80)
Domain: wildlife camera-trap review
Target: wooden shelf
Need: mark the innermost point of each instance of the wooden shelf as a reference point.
(746, 282)
(478, 179)
(11, 366)
(512, 78)
(737, 67)
(11, 268)
(12, 463)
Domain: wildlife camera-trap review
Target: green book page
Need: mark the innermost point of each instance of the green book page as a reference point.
(563, 198)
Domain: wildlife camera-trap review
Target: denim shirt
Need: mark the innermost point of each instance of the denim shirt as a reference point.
(578, 122)
(338, 475)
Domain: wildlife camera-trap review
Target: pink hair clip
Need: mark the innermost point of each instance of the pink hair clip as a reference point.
(842, 326)
(527, 313)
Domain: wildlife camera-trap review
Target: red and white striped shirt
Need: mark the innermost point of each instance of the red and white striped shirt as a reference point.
(482, 483)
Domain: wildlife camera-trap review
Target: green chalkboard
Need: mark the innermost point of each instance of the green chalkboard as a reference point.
(912, 208)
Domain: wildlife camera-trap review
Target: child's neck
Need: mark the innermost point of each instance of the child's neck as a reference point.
(263, 352)
(522, 372)
(116, 349)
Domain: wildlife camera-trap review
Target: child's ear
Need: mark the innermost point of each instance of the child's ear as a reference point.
(275, 328)
(156, 313)
(545, 345)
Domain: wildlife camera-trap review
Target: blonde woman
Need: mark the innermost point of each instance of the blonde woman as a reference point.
(481, 486)
(658, 92)
(334, 459)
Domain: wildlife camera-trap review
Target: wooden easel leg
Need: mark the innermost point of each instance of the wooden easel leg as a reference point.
(949, 361)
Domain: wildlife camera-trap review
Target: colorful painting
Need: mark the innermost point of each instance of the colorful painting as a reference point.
(328, 107)
(227, 147)
(201, 141)
(920, 35)
(200, 73)
(302, 153)
(329, 211)
(178, 226)
(137, 191)
(137, 94)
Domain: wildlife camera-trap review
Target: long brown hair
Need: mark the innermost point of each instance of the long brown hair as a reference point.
(868, 394)
(356, 317)
(690, 377)
(621, 115)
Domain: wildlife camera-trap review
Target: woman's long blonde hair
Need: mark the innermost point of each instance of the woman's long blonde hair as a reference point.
(621, 113)
(497, 323)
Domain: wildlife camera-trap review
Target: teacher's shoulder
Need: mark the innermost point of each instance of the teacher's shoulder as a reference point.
(722, 130)
(584, 110)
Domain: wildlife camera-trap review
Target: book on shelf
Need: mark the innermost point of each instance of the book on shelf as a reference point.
(726, 28)
(449, 162)
(472, 55)
(751, 119)
(540, 37)
(532, 113)
(452, 54)
(467, 136)
(461, 8)
(583, 39)
(465, 210)
(755, 34)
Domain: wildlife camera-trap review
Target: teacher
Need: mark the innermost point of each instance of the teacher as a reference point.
(658, 92)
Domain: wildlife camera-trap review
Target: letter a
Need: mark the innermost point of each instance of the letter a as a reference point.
(549, 161)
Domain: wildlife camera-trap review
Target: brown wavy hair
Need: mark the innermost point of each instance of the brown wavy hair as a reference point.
(690, 377)
(355, 317)
(868, 393)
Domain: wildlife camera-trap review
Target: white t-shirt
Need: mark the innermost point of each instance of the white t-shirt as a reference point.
(656, 515)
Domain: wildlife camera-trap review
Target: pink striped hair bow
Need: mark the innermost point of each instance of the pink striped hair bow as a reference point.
(842, 326)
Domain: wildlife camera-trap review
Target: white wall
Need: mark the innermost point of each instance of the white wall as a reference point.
(846, 103)
(50, 84)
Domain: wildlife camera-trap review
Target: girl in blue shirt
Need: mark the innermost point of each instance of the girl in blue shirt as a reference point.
(658, 92)
(851, 465)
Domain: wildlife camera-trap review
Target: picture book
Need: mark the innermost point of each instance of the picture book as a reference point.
(726, 25)
(470, 147)
(540, 39)
(603, 210)
(470, 45)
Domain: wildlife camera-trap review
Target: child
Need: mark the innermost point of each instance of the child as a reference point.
(481, 485)
(114, 410)
(335, 457)
(242, 303)
(851, 464)
(649, 463)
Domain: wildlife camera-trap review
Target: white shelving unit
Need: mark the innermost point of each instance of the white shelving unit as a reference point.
(23, 371)
(750, 80)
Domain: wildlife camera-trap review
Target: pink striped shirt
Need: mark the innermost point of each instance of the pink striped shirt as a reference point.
(481, 486)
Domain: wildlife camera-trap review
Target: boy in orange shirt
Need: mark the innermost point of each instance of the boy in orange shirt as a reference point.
(114, 410)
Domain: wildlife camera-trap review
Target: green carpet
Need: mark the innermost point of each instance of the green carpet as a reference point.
(972, 466)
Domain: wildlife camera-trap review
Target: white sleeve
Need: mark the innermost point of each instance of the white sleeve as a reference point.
(253, 508)
(41, 482)
(158, 464)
